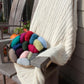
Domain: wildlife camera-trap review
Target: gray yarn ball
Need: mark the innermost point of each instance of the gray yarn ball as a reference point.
(12, 55)
(33, 56)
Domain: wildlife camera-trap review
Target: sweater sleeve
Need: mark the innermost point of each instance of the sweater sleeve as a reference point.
(57, 54)
(61, 53)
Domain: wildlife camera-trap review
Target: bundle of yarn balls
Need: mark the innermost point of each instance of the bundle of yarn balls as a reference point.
(26, 47)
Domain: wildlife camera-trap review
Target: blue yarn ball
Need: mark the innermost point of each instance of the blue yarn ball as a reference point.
(19, 45)
(15, 41)
(43, 42)
(23, 61)
(33, 37)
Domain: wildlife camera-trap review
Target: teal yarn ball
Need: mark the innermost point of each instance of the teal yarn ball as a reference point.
(33, 37)
(25, 45)
(15, 41)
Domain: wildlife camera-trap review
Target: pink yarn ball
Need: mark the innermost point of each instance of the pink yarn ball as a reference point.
(32, 48)
(24, 54)
(22, 37)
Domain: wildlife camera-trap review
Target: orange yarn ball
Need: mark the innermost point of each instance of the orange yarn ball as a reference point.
(13, 36)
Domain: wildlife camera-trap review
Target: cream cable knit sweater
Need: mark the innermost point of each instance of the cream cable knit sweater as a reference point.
(55, 21)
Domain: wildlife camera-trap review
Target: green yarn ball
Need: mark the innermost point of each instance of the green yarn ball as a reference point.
(29, 55)
(25, 45)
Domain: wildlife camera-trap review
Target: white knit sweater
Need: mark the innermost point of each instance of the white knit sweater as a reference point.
(55, 21)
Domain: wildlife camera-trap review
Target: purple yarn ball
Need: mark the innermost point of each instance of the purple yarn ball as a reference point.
(18, 52)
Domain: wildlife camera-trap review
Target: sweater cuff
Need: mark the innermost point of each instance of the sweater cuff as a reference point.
(57, 54)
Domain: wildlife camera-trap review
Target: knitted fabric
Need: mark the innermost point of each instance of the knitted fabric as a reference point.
(25, 45)
(43, 42)
(12, 55)
(43, 50)
(32, 48)
(22, 37)
(15, 41)
(24, 54)
(33, 37)
(38, 45)
(15, 47)
(28, 35)
(18, 52)
(55, 21)
(56, 25)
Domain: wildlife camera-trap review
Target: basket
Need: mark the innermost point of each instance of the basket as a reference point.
(37, 45)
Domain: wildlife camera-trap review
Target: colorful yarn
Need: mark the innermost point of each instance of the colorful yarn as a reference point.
(25, 45)
(33, 56)
(24, 54)
(15, 41)
(32, 48)
(24, 42)
(38, 45)
(28, 35)
(33, 37)
(23, 61)
(43, 42)
(18, 52)
(29, 55)
(22, 37)
(19, 45)
(12, 55)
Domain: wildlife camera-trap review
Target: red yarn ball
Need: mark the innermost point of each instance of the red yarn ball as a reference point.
(28, 35)
(32, 48)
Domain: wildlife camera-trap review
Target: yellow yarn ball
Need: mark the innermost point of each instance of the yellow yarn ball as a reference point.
(38, 45)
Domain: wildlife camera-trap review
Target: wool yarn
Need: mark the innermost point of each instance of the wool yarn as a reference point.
(18, 52)
(22, 37)
(15, 47)
(38, 45)
(12, 55)
(32, 48)
(24, 54)
(29, 55)
(43, 42)
(23, 61)
(25, 45)
(33, 56)
(15, 41)
(33, 37)
(28, 35)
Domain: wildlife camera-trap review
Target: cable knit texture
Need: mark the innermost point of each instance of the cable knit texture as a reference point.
(56, 22)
